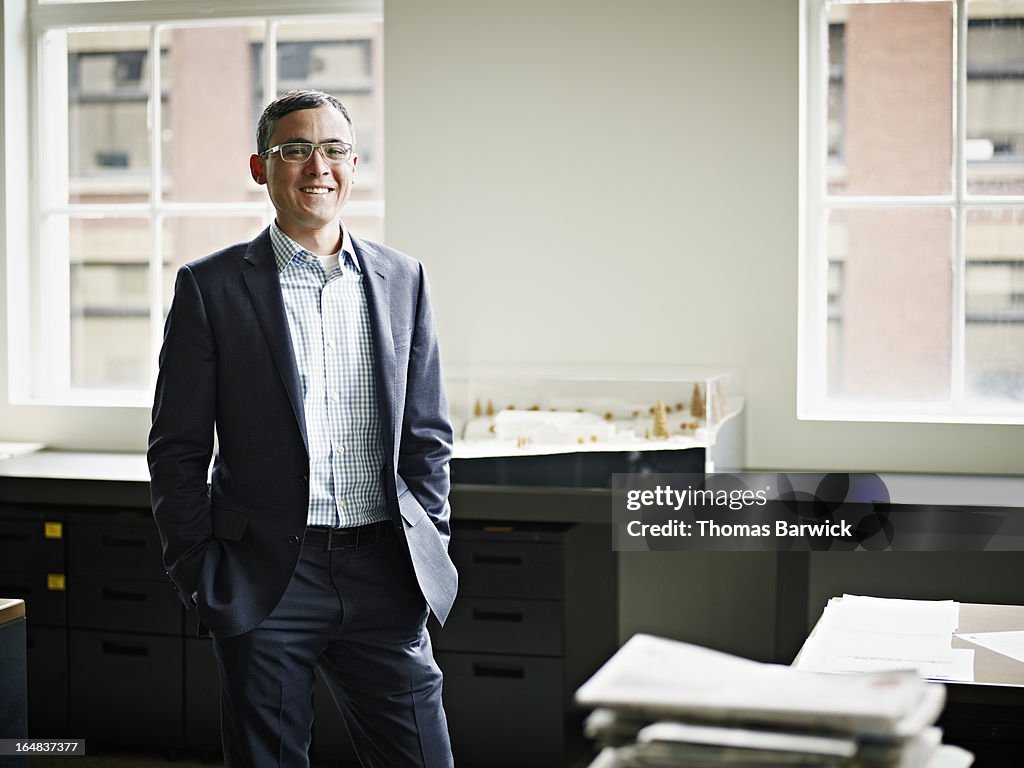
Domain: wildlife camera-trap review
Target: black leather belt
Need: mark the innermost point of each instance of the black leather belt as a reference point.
(323, 537)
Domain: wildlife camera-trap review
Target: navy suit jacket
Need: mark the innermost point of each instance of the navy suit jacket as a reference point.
(230, 545)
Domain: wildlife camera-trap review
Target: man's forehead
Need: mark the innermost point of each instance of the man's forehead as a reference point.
(324, 117)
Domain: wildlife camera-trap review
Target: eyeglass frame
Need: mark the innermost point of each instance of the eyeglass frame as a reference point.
(312, 148)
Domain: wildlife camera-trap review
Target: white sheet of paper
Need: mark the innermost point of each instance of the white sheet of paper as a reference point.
(934, 648)
(894, 616)
(846, 652)
(1007, 643)
(667, 676)
(947, 756)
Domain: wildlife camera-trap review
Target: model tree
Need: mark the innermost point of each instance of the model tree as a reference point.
(660, 421)
(698, 409)
(719, 401)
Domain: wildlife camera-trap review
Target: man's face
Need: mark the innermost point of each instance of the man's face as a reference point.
(308, 196)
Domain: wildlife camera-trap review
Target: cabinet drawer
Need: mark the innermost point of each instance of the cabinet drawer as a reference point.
(47, 681)
(493, 567)
(126, 689)
(43, 593)
(487, 625)
(31, 541)
(117, 548)
(504, 710)
(133, 605)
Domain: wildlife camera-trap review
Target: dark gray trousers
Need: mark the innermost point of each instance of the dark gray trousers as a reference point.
(359, 615)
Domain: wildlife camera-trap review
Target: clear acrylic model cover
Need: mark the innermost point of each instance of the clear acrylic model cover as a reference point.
(506, 411)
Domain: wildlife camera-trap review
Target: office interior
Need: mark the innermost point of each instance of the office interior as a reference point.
(617, 186)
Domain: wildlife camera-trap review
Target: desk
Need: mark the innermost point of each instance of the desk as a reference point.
(13, 679)
(987, 716)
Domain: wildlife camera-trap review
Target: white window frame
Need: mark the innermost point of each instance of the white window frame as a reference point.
(813, 402)
(38, 279)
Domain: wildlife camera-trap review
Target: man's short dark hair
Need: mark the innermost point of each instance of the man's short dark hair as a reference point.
(293, 101)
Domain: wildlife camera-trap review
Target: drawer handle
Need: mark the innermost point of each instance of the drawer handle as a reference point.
(492, 670)
(117, 594)
(15, 590)
(116, 649)
(118, 541)
(480, 558)
(20, 538)
(479, 614)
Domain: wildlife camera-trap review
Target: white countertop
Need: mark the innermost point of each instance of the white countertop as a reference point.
(904, 488)
(74, 465)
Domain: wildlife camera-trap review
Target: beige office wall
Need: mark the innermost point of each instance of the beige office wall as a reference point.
(618, 183)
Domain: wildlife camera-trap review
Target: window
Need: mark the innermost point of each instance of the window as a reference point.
(913, 251)
(144, 123)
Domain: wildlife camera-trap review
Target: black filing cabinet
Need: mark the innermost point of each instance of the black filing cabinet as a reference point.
(112, 658)
(33, 567)
(125, 633)
(536, 615)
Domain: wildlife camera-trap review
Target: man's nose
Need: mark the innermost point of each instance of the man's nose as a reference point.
(317, 162)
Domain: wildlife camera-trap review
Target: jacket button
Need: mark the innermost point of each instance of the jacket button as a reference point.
(293, 540)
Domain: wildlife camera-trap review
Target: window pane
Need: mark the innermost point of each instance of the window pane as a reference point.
(108, 96)
(186, 238)
(109, 262)
(895, 113)
(836, 99)
(890, 326)
(994, 333)
(343, 59)
(99, 314)
(208, 125)
(995, 97)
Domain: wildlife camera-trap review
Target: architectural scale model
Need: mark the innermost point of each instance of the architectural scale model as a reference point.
(544, 416)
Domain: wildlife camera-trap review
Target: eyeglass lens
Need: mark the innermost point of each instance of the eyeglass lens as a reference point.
(333, 152)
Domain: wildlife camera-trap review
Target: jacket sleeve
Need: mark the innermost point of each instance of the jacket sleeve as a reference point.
(426, 439)
(181, 438)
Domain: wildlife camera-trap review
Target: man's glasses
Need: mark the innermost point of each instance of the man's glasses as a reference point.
(300, 152)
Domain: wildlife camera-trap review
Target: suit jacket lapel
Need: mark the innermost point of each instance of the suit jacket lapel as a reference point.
(261, 278)
(378, 302)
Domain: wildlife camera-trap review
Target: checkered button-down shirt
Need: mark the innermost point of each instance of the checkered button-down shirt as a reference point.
(329, 322)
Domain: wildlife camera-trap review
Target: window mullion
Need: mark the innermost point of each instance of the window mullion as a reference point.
(269, 85)
(958, 316)
(270, 62)
(813, 314)
(52, 270)
(155, 119)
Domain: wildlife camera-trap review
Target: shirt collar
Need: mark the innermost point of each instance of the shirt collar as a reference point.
(286, 249)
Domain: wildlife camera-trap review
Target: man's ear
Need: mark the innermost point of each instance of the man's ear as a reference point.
(257, 169)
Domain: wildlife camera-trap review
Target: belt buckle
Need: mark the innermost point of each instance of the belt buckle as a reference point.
(347, 545)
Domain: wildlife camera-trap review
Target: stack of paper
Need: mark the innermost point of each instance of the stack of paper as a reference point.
(868, 634)
(665, 703)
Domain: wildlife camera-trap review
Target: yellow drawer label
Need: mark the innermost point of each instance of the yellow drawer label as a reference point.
(53, 530)
(55, 581)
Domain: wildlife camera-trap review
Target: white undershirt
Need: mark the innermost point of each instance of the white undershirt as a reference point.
(330, 262)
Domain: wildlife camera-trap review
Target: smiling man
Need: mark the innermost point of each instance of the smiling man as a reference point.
(320, 540)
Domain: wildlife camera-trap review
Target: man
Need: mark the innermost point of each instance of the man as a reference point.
(321, 538)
